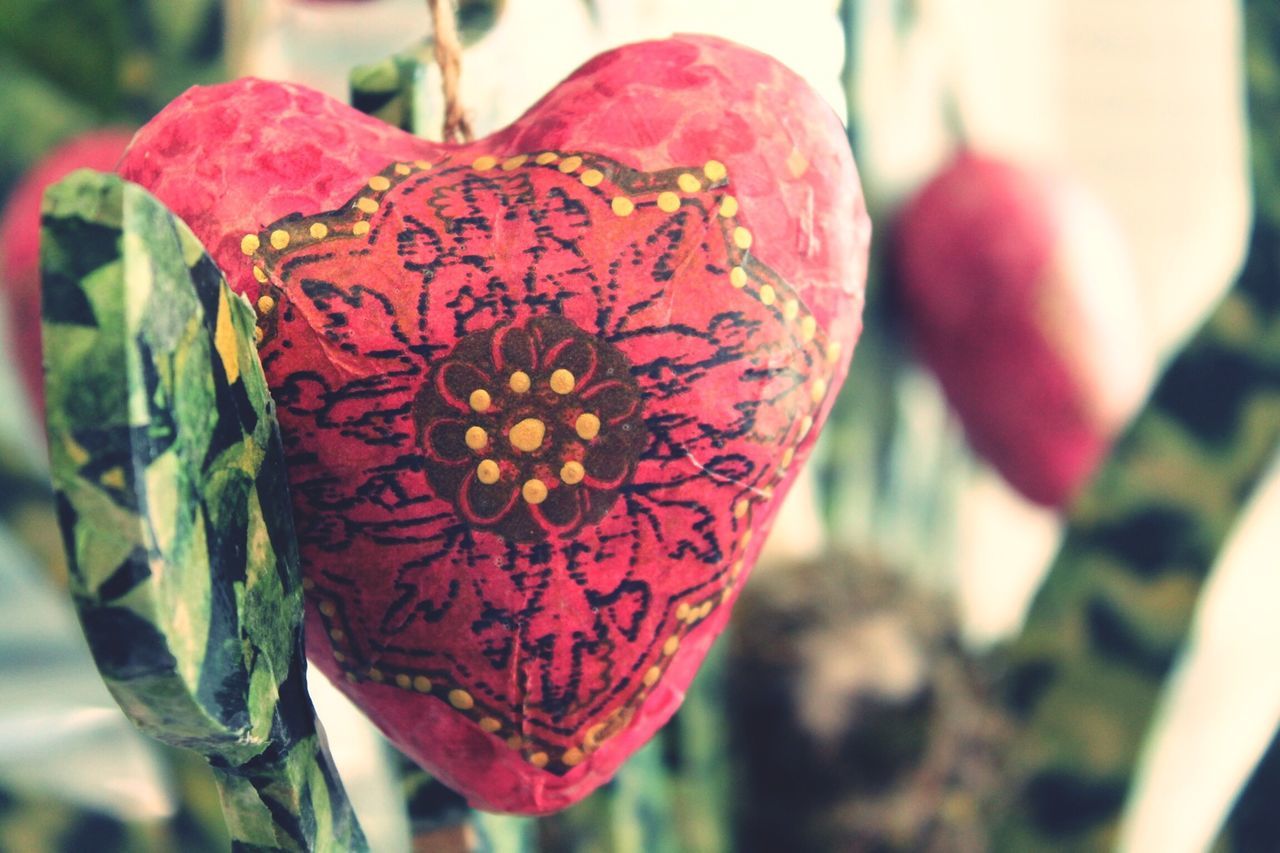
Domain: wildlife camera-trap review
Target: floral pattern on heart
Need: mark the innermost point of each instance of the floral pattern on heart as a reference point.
(531, 429)
(470, 316)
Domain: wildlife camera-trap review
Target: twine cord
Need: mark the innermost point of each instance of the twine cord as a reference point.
(448, 50)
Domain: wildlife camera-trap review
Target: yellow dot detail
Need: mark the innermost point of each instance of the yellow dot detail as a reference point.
(339, 656)
(833, 351)
(477, 438)
(572, 757)
(375, 674)
(402, 169)
(570, 164)
(622, 206)
(767, 294)
(379, 184)
(539, 759)
(587, 426)
(484, 164)
(360, 229)
(592, 178)
(480, 400)
(488, 472)
(489, 724)
(790, 309)
(682, 612)
(279, 238)
(819, 389)
(514, 162)
(738, 277)
(328, 608)
(670, 646)
(572, 472)
(729, 207)
(366, 205)
(319, 230)
(404, 681)
(422, 164)
(308, 583)
(337, 634)
(668, 202)
(715, 171)
(534, 491)
(260, 275)
(249, 243)
(787, 456)
(688, 183)
(740, 508)
(519, 382)
(461, 700)
(265, 304)
(562, 381)
(351, 678)
(422, 684)
(595, 735)
(651, 676)
(514, 742)
(258, 335)
(806, 424)
(528, 435)
(546, 158)
(808, 328)
(742, 238)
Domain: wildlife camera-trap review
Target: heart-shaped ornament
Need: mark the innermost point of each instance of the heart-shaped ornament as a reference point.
(1018, 291)
(541, 393)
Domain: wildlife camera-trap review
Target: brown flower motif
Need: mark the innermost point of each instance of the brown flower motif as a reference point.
(531, 428)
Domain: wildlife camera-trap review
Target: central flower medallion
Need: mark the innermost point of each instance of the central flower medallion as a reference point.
(531, 428)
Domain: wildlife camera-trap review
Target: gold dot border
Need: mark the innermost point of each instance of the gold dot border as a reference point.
(670, 191)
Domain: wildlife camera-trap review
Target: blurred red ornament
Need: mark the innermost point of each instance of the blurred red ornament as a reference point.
(1018, 292)
(20, 242)
(542, 393)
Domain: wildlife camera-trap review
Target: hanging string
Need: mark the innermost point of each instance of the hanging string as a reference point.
(449, 57)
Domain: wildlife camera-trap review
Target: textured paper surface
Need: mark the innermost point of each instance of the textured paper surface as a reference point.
(171, 494)
(542, 393)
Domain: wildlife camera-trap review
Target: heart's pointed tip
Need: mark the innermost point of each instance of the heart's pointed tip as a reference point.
(502, 774)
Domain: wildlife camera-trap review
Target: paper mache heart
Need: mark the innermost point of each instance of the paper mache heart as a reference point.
(541, 393)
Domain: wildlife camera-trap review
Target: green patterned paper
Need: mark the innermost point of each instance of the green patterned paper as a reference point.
(1254, 822)
(1085, 676)
(171, 494)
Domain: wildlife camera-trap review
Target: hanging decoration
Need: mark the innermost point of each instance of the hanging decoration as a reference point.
(540, 393)
(1020, 297)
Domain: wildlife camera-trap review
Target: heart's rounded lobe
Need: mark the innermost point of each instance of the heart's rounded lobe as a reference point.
(541, 393)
